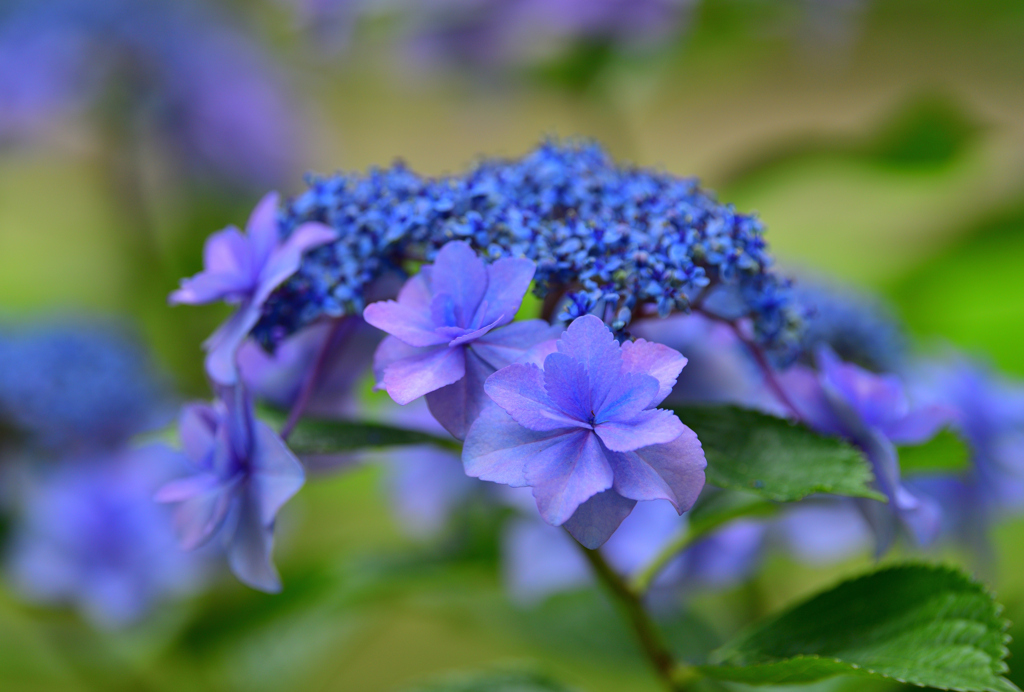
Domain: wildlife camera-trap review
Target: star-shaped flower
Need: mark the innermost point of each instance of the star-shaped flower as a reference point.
(584, 433)
(245, 269)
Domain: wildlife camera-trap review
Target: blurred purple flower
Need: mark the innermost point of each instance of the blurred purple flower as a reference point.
(450, 329)
(242, 475)
(203, 86)
(584, 434)
(91, 536)
(824, 531)
(245, 269)
(873, 412)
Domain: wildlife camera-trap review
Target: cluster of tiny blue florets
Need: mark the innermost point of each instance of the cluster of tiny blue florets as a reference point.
(607, 239)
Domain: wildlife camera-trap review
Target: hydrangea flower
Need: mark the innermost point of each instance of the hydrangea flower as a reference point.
(610, 240)
(450, 328)
(244, 269)
(90, 535)
(242, 475)
(584, 433)
(211, 94)
(873, 412)
(78, 386)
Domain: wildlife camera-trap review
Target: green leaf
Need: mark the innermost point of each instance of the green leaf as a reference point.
(509, 681)
(927, 625)
(774, 458)
(944, 453)
(315, 436)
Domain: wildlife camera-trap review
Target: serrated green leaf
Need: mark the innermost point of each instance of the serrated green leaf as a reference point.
(921, 624)
(774, 458)
(316, 436)
(510, 681)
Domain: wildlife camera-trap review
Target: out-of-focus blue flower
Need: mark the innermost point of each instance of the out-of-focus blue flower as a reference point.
(859, 328)
(614, 241)
(78, 386)
(90, 535)
(873, 412)
(583, 432)
(205, 87)
(450, 329)
(824, 530)
(244, 269)
(539, 559)
(495, 33)
(242, 475)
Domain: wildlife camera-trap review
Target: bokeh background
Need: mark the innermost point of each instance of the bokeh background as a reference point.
(881, 141)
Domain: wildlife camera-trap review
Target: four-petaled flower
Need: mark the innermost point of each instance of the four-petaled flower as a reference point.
(584, 433)
(450, 330)
(245, 269)
(244, 475)
(873, 412)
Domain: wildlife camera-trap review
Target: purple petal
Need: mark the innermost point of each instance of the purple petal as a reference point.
(803, 388)
(197, 427)
(276, 474)
(590, 342)
(567, 474)
(539, 560)
(249, 549)
(458, 272)
(519, 390)
(469, 337)
(672, 471)
(629, 395)
(878, 399)
(415, 293)
(506, 345)
(567, 384)
(262, 229)
(457, 405)
(657, 360)
(920, 425)
(204, 504)
(222, 346)
(508, 279)
(498, 449)
(391, 350)
(189, 487)
(227, 273)
(653, 427)
(411, 378)
(286, 259)
(426, 485)
(412, 326)
(823, 532)
(596, 520)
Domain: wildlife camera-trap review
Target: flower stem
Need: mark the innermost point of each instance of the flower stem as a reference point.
(675, 676)
(339, 330)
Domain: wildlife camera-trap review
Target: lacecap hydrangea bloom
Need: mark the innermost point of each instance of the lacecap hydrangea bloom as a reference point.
(242, 474)
(450, 329)
(609, 240)
(582, 430)
(244, 269)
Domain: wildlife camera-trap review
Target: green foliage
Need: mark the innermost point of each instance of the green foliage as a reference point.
(927, 625)
(944, 453)
(316, 436)
(508, 681)
(778, 460)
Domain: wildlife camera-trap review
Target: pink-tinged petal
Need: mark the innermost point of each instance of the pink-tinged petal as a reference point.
(391, 350)
(460, 273)
(411, 326)
(262, 229)
(276, 474)
(589, 341)
(519, 390)
(628, 396)
(287, 258)
(673, 471)
(567, 474)
(497, 448)
(567, 384)
(596, 520)
(657, 360)
(457, 405)
(920, 425)
(411, 378)
(652, 427)
(197, 427)
(249, 550)
(506, 345)
(222, 346)
(508, 279)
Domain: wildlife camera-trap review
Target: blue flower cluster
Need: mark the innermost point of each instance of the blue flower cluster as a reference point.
(610, 240)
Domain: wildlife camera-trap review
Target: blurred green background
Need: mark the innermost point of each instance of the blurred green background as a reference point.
(890, 154)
